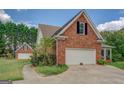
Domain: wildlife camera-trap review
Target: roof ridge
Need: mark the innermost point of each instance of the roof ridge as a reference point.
(49, 25)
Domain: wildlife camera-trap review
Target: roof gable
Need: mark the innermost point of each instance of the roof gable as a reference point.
(70, 22)
(67, 24)
(24, 44)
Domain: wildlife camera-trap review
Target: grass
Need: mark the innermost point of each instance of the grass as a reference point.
(11, 69)
(117, 64)
(51, 70)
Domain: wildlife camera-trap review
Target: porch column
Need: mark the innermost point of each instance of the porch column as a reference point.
(104, 53)
(110, 54)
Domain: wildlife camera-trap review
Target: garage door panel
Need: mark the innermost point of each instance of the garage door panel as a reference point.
(24, 55)
(77, 56)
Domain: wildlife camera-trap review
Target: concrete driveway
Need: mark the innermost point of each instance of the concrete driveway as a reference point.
(86, 74)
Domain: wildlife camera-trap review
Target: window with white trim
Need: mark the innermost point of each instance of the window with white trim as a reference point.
(81, 28)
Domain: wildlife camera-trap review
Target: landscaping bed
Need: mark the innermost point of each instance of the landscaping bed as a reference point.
(51, 70)
(10, 69)
(117, 64)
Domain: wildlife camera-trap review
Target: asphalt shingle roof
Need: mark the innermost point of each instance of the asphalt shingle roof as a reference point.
(48, 30)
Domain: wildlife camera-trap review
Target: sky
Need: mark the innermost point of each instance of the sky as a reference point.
(104, 19)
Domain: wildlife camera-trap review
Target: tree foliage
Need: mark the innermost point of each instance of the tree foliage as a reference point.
(13, 35)
(116, 39)
(44, 52)
(2, 39)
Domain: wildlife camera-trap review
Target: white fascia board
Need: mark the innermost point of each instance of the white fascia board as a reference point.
(92, 25)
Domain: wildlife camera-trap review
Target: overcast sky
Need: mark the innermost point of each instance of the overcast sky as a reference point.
(103, 19)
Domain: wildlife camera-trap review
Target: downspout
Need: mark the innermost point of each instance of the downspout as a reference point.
(110, 54)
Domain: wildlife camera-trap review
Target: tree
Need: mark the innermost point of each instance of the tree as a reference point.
(33, 36)
(2, 39)
(116, 39)
(13, 35)
(44, 52)
(2, 46)
(47, 45)
(27, 34)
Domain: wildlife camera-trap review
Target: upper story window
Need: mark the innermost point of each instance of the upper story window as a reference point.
(81, 28)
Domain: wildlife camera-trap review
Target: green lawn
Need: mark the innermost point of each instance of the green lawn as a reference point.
(11, 69)
(117, 64)
(51, 70)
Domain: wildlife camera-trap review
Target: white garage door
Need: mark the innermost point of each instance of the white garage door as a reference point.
(77, 56)
(24, 55)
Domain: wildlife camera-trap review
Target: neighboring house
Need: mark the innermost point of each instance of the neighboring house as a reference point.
(78, 41)
(24, 52)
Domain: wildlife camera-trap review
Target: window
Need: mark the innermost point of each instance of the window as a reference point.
(102, 52)
(107, 54)
(81, 28)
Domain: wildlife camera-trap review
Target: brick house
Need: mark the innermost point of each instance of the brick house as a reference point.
(78, 41)
(24, 52)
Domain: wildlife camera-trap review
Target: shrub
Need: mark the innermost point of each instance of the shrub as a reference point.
(35, 61)
(34, 58)
(117, 57)
(101, 62)
(50, 61)
(9, 55)
(47, 50)
(44, 53)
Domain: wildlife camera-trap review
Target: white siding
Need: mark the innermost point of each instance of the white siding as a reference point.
(39, 36)
(24, 55)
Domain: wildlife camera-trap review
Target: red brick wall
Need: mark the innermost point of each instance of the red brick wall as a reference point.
(75, 40)
(23, 51)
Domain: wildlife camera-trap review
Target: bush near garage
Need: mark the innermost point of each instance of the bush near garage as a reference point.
(101, 62)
